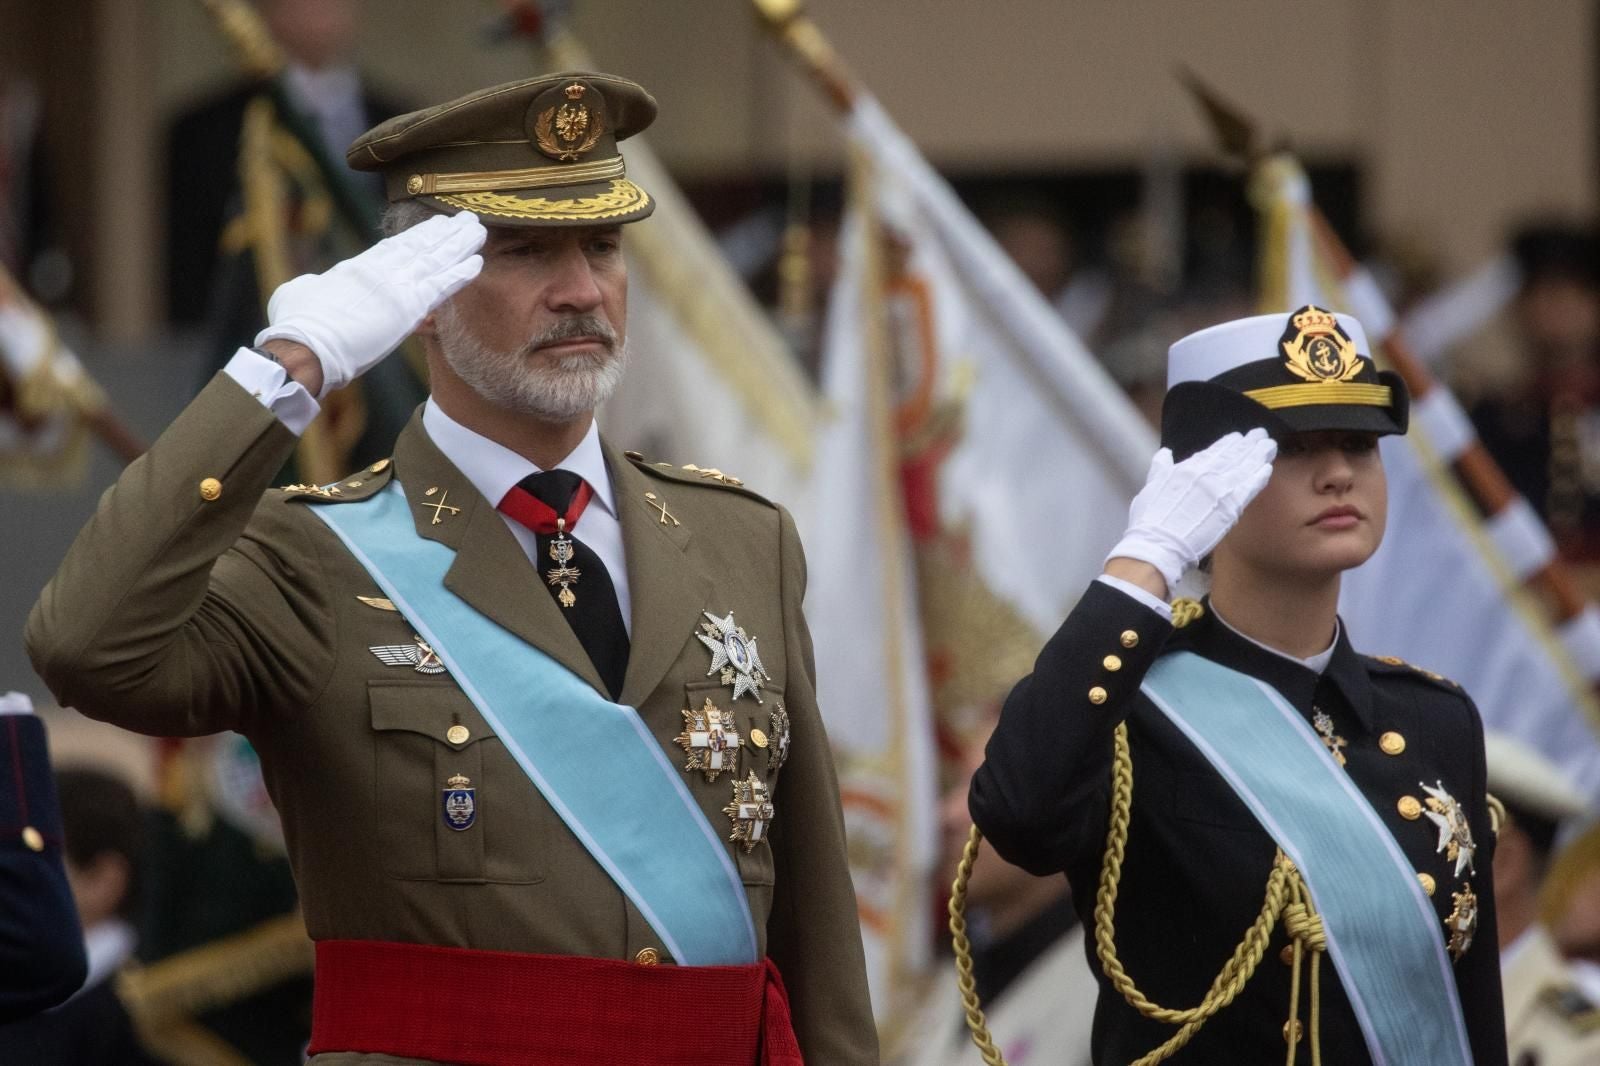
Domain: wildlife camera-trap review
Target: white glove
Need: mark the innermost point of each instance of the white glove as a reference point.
(15, 703)
(361, 309)
(1185, 509)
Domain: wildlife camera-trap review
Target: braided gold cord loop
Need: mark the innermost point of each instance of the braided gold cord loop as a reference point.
(1235, 972)
(963, 947)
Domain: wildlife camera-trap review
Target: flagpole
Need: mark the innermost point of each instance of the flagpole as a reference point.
(1239, 137)
(93, 405)
(788, 22)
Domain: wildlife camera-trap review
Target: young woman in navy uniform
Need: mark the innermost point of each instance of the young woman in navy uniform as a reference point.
(1281, 847)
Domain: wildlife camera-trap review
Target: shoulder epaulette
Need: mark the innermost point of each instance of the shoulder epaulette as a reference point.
(691, 474)
(1400, 666)
(358, 486)
(1186, 612)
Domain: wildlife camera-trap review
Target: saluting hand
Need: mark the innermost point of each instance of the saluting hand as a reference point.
(1185, 508)
(360, 310)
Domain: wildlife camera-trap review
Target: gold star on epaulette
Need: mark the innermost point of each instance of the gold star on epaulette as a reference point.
(1392, 660)
(712, 474)
(329, 492)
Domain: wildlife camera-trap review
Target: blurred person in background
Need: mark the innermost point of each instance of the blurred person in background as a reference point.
(42, 959)
(1027, 958)
(1543, 427)
(101, 821)
(1550, 1019)
(319, 40)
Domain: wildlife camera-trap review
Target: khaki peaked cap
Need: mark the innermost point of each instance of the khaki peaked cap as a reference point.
(537, 152)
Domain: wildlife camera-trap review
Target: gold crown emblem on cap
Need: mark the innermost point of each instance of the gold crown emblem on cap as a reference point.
(459, 781)
(1317, 348)
(574, 91)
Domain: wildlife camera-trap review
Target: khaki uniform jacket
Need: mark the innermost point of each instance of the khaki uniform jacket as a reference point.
(1549, 1022)
(179, 614)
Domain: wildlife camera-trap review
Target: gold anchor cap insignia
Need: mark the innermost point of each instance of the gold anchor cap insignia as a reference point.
(1317, 348)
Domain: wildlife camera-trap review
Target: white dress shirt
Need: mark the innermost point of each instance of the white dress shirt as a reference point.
(491, 468)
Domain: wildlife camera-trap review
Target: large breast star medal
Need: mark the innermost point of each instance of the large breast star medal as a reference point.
(1455, 835)
(733, 651)
(710, 740)
(750, 812)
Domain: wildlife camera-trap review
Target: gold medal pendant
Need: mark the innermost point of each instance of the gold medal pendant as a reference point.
(563, 574)
(1463, 921)
(1330, 740)
(751, 812)
(710, 739)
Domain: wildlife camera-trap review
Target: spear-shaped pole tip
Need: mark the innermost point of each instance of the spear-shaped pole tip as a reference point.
(1237, 133)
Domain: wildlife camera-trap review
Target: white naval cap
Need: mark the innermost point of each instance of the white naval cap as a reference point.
(1218, 349)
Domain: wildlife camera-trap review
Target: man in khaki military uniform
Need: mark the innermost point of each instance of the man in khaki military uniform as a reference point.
(1550, 1019)
(538, 716)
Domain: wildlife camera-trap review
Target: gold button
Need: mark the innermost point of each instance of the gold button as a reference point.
(1112, 663)
(33, 838)
(1410, 808)
(647, 957)
(1130, 639)
(210, 489)
(352, 484)
(1427, 883)
(1287, 954)
(414, 184)
(379, 467)
(1097, 695)
(457, 734)
(1292, 1031)
(1392, 743)
(758, 738)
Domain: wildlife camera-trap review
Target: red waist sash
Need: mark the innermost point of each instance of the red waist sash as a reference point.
(498, 1008)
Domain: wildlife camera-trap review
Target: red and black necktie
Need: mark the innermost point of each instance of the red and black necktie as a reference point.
(550, 504)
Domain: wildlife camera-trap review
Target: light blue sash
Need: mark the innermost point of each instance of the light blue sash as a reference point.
(632, 812)
(1383, 934)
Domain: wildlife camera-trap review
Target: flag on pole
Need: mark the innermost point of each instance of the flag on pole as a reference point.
(975, 465)
(47, 399)
(711, 381)
(1446, 589)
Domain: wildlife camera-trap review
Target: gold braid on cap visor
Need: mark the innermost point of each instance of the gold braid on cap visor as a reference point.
(531, 178)
(1329, 392)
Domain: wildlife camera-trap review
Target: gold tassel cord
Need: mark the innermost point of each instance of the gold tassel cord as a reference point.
(1284, 887)
(963, 947)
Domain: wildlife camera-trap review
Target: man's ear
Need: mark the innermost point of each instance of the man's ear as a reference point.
(427, 327)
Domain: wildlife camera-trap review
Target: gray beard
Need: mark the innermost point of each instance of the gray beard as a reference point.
(555, 389)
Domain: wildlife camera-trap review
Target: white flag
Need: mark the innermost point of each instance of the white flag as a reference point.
(1445, 589)
(975, 468)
